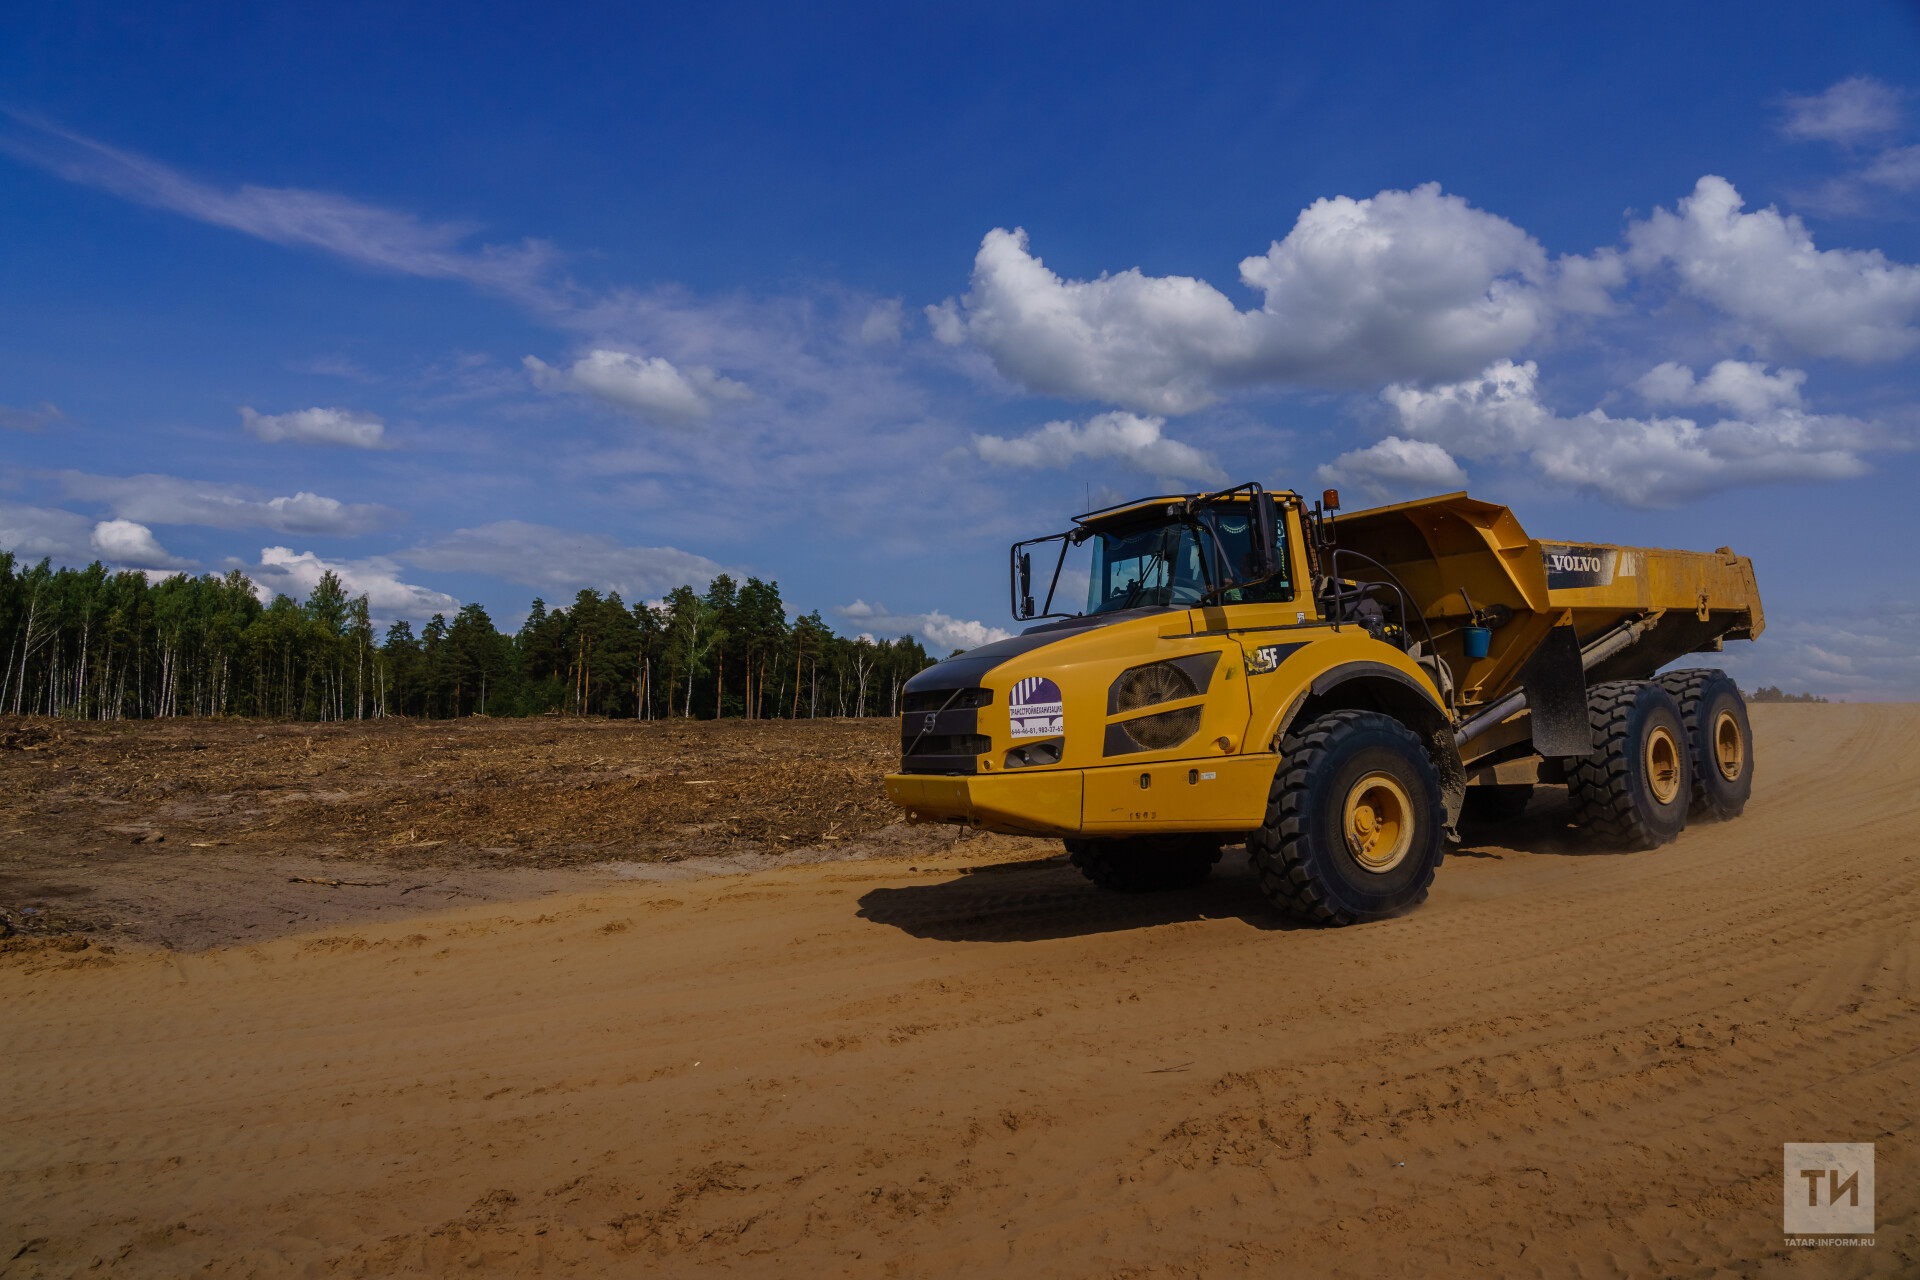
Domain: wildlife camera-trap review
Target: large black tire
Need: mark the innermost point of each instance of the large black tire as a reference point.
(1338, 776)
(1145, 864)
(1635, 788)
(1719, 740)
(1486, 805)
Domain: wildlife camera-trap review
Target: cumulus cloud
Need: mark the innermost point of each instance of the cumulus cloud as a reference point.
(65, 537)
(318, 426)
(1405, 284)
(374, 237)
(1420, 288)
(161, 499)
(1654, 461)
(378, 578)
(561, 561)
(1124, 437)
(1737, 385)
(1763, 271)
(941, 632)
(1856, 109)
(133, 546)
(1396, 466)
(649, 386)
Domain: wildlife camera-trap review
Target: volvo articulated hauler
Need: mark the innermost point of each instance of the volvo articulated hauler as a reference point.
(1333, 690)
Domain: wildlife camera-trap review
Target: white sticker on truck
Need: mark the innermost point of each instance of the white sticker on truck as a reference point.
(1036, 709)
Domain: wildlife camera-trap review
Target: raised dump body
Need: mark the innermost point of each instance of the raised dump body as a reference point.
(1457, 556)
(1336, 692)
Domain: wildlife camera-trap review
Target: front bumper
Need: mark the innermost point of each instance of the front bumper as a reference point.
(1225, 793)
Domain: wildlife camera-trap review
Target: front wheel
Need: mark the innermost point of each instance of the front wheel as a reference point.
(1354, 821)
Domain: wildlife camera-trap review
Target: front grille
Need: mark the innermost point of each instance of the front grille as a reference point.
(949, 744)
(936, 699)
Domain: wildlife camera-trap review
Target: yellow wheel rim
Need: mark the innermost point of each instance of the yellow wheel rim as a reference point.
(1663, 765)
(1729, 747)
(1378, 822)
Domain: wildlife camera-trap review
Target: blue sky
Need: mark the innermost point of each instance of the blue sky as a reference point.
(476, 304)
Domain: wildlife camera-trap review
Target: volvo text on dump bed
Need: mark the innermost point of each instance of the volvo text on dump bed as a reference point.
(1333, 690)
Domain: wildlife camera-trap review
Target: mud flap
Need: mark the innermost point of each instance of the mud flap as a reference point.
(1556, 686)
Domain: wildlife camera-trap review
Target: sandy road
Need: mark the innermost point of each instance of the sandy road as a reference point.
(1567, 1063)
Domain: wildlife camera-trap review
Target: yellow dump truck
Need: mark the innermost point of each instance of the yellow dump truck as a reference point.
(1337, 691)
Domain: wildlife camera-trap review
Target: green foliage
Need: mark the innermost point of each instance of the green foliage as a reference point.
(1772, 693)
(86, 643)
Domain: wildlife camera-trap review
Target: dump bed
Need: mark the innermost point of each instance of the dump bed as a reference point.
(1457, 556)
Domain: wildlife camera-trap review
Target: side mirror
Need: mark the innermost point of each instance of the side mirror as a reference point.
(1026, 585)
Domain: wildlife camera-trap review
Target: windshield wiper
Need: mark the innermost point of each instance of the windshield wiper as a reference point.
(1146, 571)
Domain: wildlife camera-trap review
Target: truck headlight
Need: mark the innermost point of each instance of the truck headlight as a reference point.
(1148, 686)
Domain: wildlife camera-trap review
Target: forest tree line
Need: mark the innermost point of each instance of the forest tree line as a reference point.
(99, 645)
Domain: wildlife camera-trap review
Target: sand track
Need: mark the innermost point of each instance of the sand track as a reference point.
(1568, 1063)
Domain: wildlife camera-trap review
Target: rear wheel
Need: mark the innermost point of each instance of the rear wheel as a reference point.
(1718, 739)
(1145, 864)
(1496, 804)
(1354, 821)
(1634, 788)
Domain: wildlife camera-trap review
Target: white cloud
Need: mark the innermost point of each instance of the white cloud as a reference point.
(1396, 465)
(65, 537)
(36, 533)
(941, 632)
(311, 219)
(377, 578)
(159, 499)
(133, 546)
(1853, 110)
(1762, 270)
(1405, 284)
(1126, 437)
(1737, 385)
(561, 561)
(646, 385)
(318, 426)
(1639, 462)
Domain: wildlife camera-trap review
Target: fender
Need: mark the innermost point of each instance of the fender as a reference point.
(1408, 680)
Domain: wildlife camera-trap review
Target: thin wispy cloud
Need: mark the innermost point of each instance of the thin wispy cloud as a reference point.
(362, 233)
(34, 418)
(561, 561)
(162, 499)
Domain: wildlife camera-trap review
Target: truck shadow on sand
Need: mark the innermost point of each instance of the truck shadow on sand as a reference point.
(1039, 899)
(1047, 898)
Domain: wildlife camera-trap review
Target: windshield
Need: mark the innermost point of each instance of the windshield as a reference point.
(1160, 565)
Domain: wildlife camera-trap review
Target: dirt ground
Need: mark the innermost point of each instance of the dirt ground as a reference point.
(193, 833)
(958, 1057)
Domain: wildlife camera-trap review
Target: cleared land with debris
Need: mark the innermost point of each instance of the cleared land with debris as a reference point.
(965, 1060)
(195, 833)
